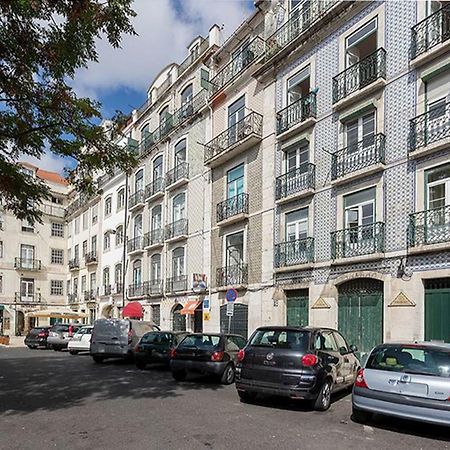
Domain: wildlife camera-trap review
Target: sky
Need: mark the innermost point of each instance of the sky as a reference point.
(165, 28)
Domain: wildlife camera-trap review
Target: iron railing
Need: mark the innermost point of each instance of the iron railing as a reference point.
(189, 109)
(430, 127)
(179, 172)
(154, 287)
(295, 181)
(136, 290)
(154, 237)
(430, 32)
(136, 199)
(249, 53)
(192, 57)
(232, 275)
(77, 204)
(250, 124)
(429, 227)
(107, 290)
(358, 241)
(154, 187)
(72, 298)
(27, 264)
(118, 288)
(135, 244)
(90, 258)
(74, 264)
(232, 207)
(34, 297)
(177, 284)
(176, 229)
(291, 253)
(299, 22)
(89, 295)
(360, 75)
(362, 154)
(296, 112)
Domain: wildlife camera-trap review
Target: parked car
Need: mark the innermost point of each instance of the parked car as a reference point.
(410, 381)
(81, 341)
(60, 334)
(117, 338)
(296, 362)
(37, 337)
(156, 346)
(209, 354)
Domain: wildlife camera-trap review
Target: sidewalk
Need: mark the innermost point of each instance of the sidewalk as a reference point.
(14, 341)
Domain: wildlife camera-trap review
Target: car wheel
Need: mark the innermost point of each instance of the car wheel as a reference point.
(73, 352)
(360, 416)
(141, 365)
(323, 400)
(98, 359)
(246, 396)
(31, 347)
(228, 375)
(179, 375)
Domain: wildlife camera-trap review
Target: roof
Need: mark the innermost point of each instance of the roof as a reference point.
(46, 175)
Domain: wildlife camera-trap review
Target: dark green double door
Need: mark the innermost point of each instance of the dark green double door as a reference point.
(437, 310)
(297, 306)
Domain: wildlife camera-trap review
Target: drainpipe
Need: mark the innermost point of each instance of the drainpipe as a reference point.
(124, 253)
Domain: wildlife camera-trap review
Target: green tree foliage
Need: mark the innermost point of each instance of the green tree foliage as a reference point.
(42, 45)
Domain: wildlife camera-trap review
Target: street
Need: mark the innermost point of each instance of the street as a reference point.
(55, 400)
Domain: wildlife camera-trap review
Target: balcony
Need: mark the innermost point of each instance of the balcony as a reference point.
(430, 132)
(358, 241)
(177, 230)
(430, 37)
(359, 159)
(233, 141)
(295, 184)
(90, 258)
(136, 244)
(72, 298)
(21, 297)
(137, 200)
(294, 253)
(177, 176)
(297, 116)
(136, 290)
(154, 288)
(33, 265)
(189, 109)
(232, 210)
(360, 79)
(52, 210)
(189, 61)
(154, 238)
(429, 229)
(89, 296)
(74, 264)
(229, 73)
(155, 189)
(177, 284)
(232, 276)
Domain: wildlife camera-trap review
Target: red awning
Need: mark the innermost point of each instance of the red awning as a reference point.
(133, 310)
(190, 307)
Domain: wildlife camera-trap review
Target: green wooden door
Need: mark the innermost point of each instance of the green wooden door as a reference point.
(297, 308)
(437, 312)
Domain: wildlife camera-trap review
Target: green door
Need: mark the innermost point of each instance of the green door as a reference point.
(360, 313)
(437, 310)
(297, 308)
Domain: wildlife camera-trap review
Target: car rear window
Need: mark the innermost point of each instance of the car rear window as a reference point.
(411, 359)
(60, 328)
(36, 330)
(203, 341)
(290, 339)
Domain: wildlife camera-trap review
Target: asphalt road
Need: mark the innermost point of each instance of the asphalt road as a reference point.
(55, 400)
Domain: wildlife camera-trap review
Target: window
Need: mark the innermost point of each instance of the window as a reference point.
(93, 282)
(178, 206)
(84, 248)
(118, 273)
(361, 43)
(361, 130)
(137, 228)
(178, 262)
(359, 208)
(325, 341)
(120, 198)
(76, 251)
(156, 218)
(157, 168)
(155, 268)
(298, 86)
(1, 284)
(57, 256)
(57, 229)
(56, 287)
(235, 181)
(164, 117)
(297, 158)
(139, 181)
(83, 284)
(297, 225)
(106, 241)
(2, 220)
(1, 249)
(156, 314)
(94, 244)
(180, 152)
(119, 235)
(85, 220)
(137, 272)
(77, 225)
(438, 187)
(236, 112)
(342, 345)
(106, 280)
(145, 132)
(27, 227)
(56, 200)
(234, 251)
(27, 289)
(75, 286)
(94, 213)
(108, 206)
(27, 256)
(186, 95)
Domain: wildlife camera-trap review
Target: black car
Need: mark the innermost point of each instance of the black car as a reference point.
(156, 346)
(37, 337)
(300, 363)
(207, 353)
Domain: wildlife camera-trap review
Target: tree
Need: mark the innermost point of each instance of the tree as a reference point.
(42, 45)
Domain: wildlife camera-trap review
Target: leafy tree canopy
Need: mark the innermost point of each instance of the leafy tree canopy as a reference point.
(42, 45)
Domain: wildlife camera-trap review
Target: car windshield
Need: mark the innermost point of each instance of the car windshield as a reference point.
(290, 339)
(203, 341)
(149, 338)
(415, 359)
(60, 328)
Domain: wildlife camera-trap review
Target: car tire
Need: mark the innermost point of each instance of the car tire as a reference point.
(32, 347)
(141, 365)
(360, 416)
(228, 374)
(73, 352)
(97, 359)
(246, 396)
(179, 375)
(323, 400)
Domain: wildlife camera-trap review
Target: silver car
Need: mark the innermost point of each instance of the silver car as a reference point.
(410, 381)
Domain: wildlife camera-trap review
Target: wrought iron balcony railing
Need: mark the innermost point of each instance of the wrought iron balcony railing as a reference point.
(155, 187)
(190, 108)
(72, 298)
(202, 47)
(362, 154)
(233, 275)
(291, 253)
(154, 287)
(90, 258)
(430, 127)
(295, 181)
(136, 199)
(154, 237)
(300, 21)
(89, 295)
(107, 290)
(249, 54)
(430, 32)
(177, 284)
(429, 227)
(250, 124)
(74, 264)
(135, 244)
(25, 297)
(179, 172)
(27, 264)
(136, 290)
(176, 229)
(232, 207)
(358, 241)
(296, 112)
(360, 75)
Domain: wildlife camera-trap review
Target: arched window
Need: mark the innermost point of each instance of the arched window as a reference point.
(164, 116)
(145, 132)
(186, 95)
(137, 272)
(157, 167)
(119, 235)
(118, 274)
(178, 262)
(180, 152)
(106, 241)
(108, 206)
(137, 228)
(155, 268)
(106, 279)
(178, 207)
(120, 198)
(139, 180)
(156, 221)
(178, 319)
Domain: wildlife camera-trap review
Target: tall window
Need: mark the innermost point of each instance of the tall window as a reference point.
(118, 273)
(157, 171)
(27, 254)
(359, 211)
(178, 262)
(137, 272)
(234, 251)
(94, 244)
(119, 235)
(438, 187)
(106, 280)
(57, 229)
(186, 95)
(83, 284)
(361, 43)
(85, 220)
(120, 198)
(178, 207)
(164, 117)
(93, 282)
(94, 213)
(139, 181)
(1, 249)
(156, 223)
(297, 225)
(180, 152)
(77, 225)
(137, 228)
(235, 181)
(76, 252)
(75, 286)
(106, 241)
(361, 130)
(297, 157)
(84, 248)
(108, 206)
(155, 268)
(236, 112)
(298, 86)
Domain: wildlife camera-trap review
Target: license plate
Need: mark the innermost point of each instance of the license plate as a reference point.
(101, 350)
(413, 389)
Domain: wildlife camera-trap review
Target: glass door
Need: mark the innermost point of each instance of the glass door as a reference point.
(235, 181)
(27, 256)
(236, 113)
(234, 258)
(178, 208)
(27, 290)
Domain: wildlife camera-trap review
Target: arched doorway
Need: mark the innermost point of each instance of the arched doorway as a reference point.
(20, 323)
(198, 319)
(239, 321)
(178, 319)
(360, 312)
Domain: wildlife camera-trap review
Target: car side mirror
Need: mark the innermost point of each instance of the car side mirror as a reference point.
(343, 351)
(353, 348)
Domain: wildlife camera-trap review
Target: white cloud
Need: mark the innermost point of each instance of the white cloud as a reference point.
(48, 161)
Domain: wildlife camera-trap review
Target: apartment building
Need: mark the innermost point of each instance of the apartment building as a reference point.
(33, 259)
